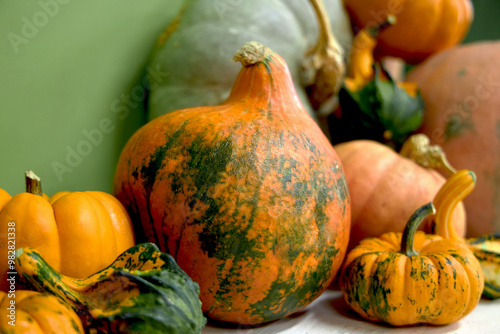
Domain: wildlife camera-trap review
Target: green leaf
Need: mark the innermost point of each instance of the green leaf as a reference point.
(380, 111)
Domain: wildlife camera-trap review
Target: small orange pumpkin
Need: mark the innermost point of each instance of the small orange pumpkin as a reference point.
(424, 26)
(412, 277)
(33, 312)
(78, 233)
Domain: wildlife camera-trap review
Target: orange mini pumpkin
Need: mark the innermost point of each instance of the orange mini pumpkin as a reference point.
(78, 233)
(411, 277)
(424, 27)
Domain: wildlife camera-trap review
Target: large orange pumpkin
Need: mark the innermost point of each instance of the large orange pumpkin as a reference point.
(386, 188)
(248, 196)
(423, 27)
(461, 91)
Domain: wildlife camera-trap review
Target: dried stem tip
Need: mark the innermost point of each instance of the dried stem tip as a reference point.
(419, 149)
(33, 183)
(251, 53)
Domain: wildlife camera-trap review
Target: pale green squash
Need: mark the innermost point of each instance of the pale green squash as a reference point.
(194, 52)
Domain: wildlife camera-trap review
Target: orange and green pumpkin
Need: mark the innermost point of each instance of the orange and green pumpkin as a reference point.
(248, 196)
(411, 277)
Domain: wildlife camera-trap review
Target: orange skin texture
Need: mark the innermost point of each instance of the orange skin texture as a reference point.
(77, 233)
(261, 123)
(38, 313)
(386, 189)
(423, 27)
(462, 85)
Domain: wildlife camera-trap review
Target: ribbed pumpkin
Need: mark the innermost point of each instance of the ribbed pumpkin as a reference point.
(78, 233)
(248, 196)
(411, 277)
(461, 91)
(424, 26)
(39, 313)
(386, 188)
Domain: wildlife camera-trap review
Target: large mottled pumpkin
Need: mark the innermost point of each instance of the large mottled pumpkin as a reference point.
(78, 233)
(411, 277)
(386, 188)
(424, 26)
(461, 91)
(248, 196)
(27, 311)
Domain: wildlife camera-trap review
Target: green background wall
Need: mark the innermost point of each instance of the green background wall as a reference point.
(486, 25)
(66, 69)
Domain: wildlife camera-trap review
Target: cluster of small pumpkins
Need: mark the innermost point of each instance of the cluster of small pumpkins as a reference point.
(243, 211)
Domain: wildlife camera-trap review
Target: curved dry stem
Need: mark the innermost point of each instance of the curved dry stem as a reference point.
(323, 66)
(418, 148)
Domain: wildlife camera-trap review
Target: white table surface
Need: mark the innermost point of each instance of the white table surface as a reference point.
(329, 314)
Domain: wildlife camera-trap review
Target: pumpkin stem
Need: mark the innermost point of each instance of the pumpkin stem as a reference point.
(252, 53)
(418, 148)
(407, 240)
(455, 189)
(375, 31)
(33, 184)
(323, 66)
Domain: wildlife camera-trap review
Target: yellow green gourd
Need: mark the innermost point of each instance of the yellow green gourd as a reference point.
(142, 291)
(487, 251)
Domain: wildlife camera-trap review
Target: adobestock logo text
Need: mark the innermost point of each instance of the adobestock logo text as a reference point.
(31, 25)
